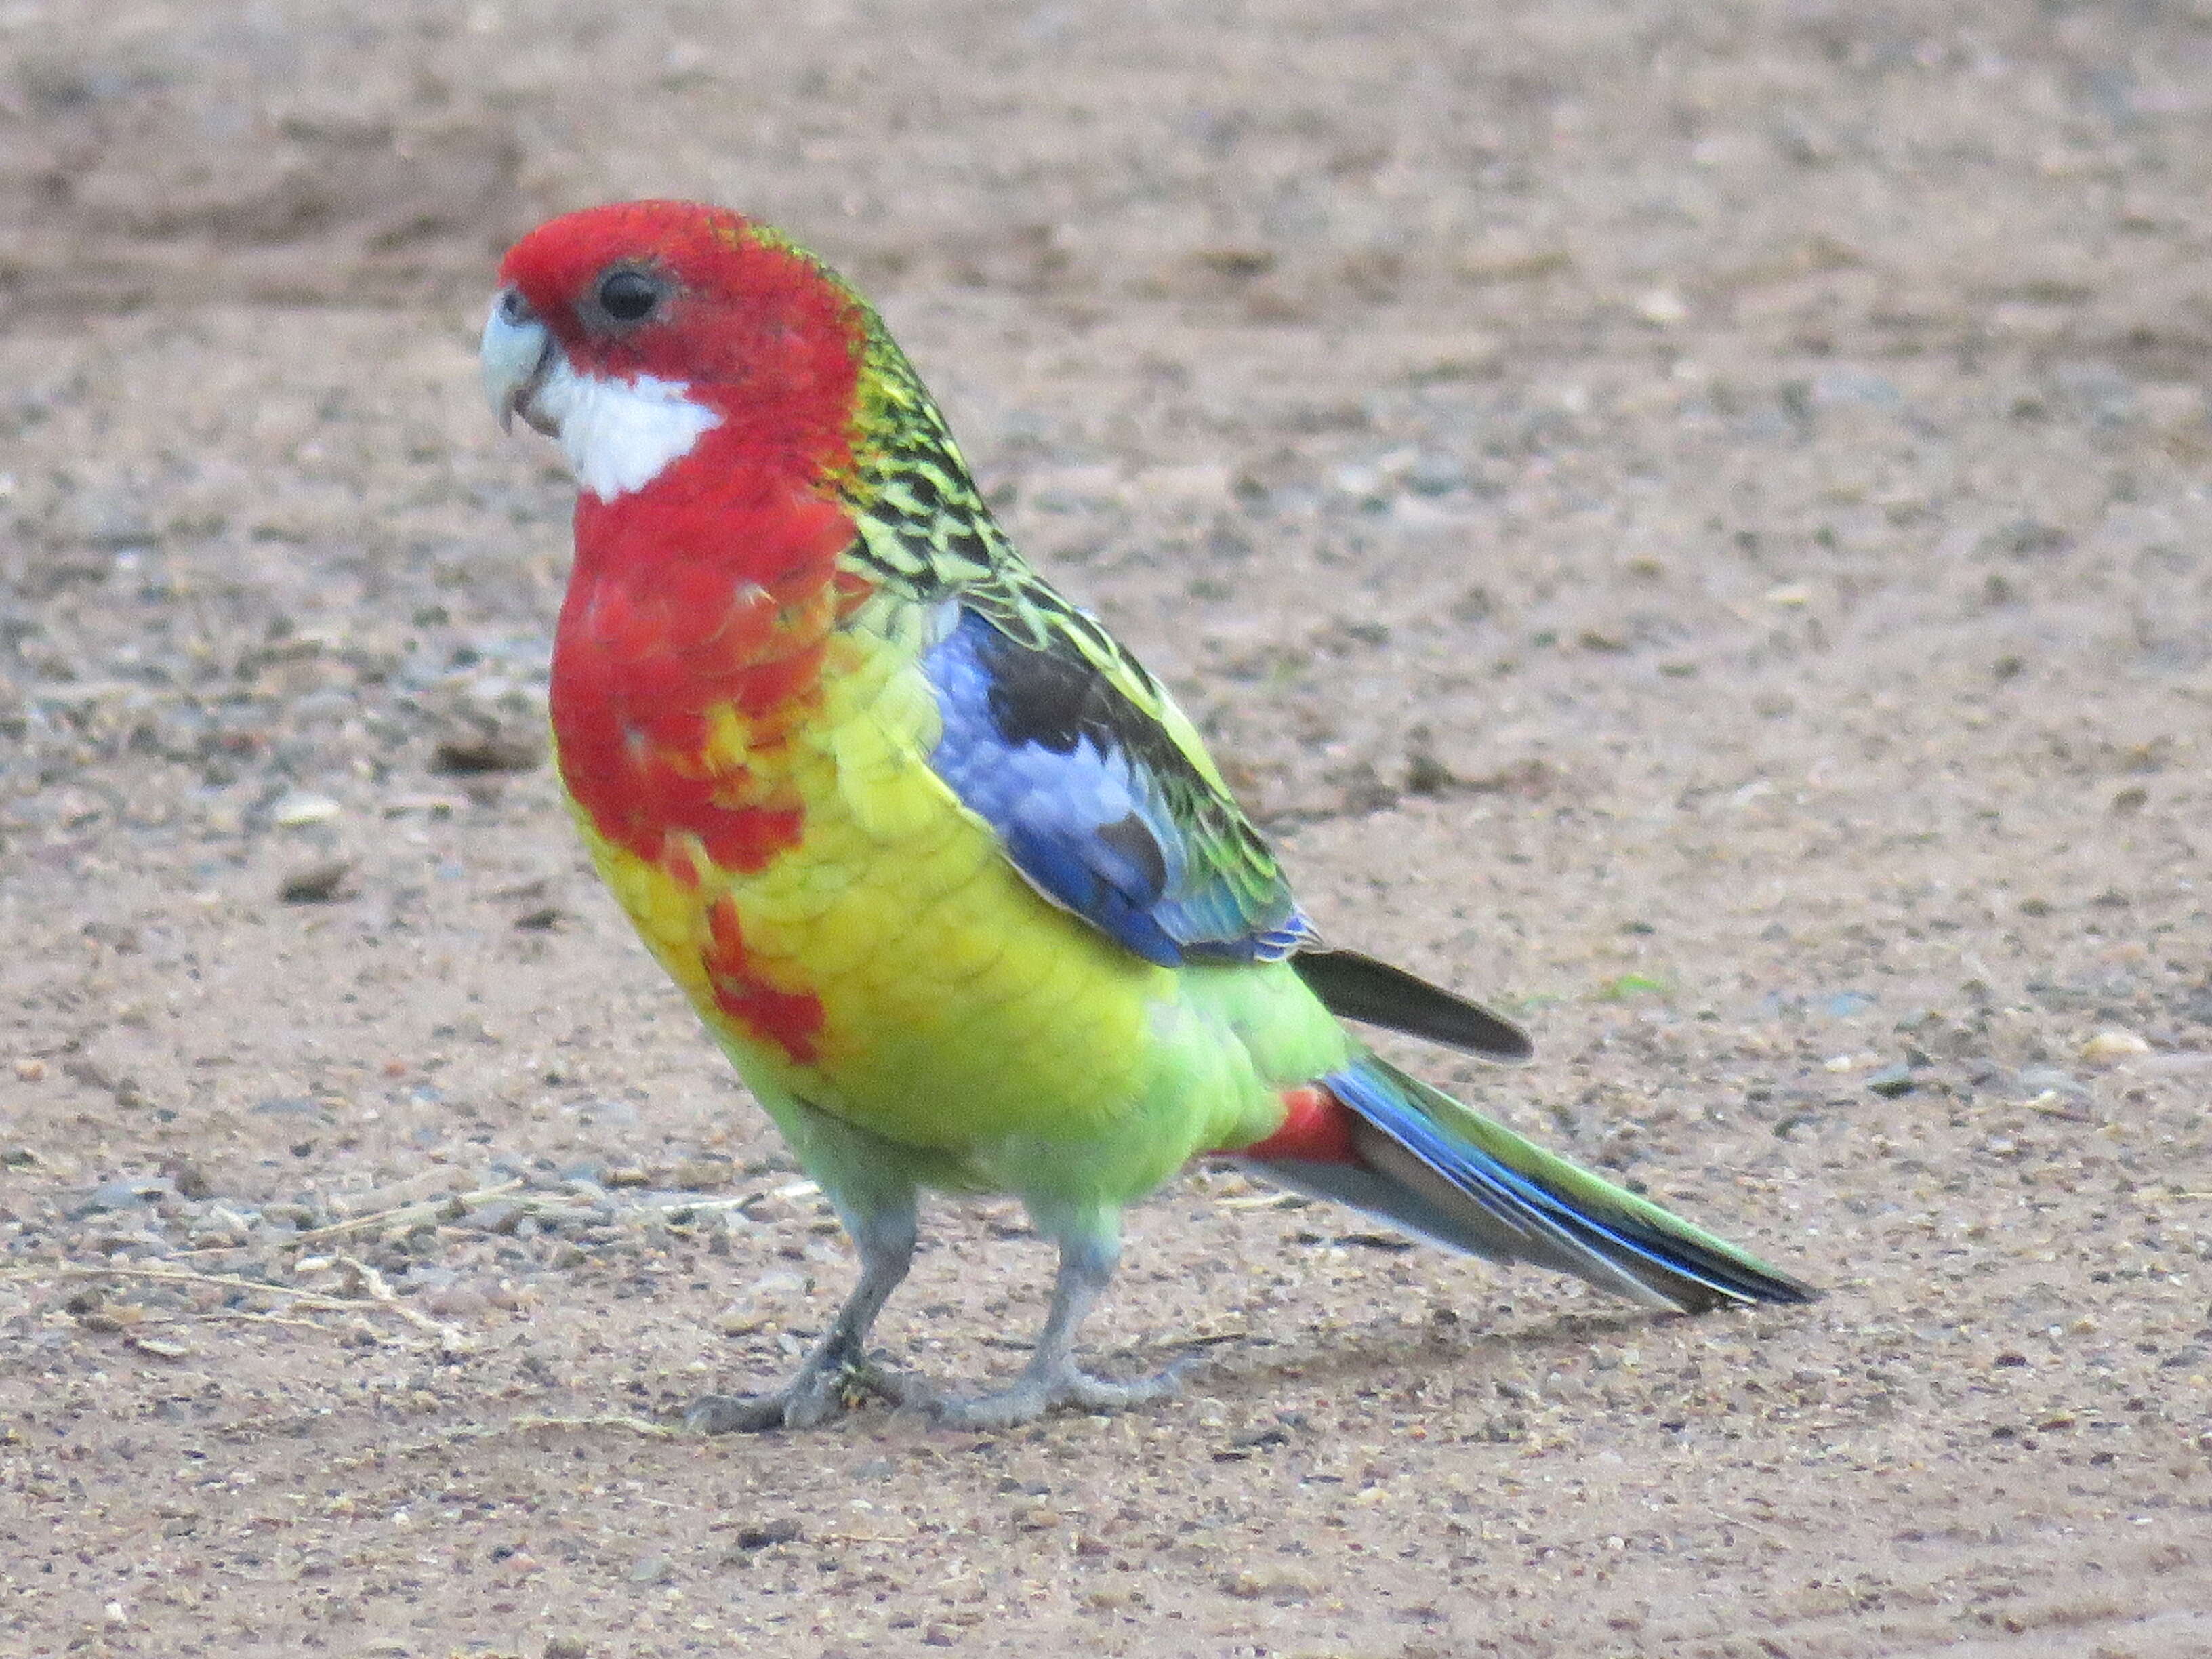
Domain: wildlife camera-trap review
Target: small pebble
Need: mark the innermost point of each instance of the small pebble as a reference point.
(286, 1106)
(503, 751)
(1434, 474)
(499, 1216)
(298, 811)
(462, 1301)
(188, 1179)
(2107, 1047)
(114, 1196)
(703, 1174)
(760, 1537)
(319, 883)
(2048, 1079)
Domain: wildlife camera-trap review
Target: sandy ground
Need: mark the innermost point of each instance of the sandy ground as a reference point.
(1687, 521)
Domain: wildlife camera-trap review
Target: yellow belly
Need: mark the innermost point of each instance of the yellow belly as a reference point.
(955, 1006)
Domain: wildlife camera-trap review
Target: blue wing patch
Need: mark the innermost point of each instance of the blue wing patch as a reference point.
(1095, 805)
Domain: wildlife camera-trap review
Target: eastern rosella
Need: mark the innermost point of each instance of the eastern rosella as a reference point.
(944, 870)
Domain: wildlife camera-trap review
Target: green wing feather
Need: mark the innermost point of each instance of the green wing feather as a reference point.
(926, 536)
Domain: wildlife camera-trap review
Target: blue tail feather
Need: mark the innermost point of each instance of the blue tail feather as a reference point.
(1441, 1170)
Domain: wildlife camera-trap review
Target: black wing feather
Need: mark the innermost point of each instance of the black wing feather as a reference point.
(1355, 987)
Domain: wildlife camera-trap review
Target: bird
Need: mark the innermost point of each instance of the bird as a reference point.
(945, 871)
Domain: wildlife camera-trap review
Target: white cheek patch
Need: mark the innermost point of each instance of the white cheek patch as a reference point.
(619, 435)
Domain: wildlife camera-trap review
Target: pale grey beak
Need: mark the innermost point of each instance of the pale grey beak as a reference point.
(516, 352)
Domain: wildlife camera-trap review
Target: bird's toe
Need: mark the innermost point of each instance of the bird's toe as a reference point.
(812, 1397)
(1034, 1395)
(736, 1414)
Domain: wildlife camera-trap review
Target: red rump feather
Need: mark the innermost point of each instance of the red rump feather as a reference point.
(1315, 1129)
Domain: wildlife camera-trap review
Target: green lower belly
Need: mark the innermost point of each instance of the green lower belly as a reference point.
(962, 1015)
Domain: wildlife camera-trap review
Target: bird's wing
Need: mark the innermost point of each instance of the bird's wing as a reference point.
(1108, 806)
(1099, 788)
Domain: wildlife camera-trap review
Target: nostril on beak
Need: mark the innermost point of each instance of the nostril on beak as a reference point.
(512, 356)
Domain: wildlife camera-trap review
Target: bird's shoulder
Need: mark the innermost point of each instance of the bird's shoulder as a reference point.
(1100, 788)
(925, 538)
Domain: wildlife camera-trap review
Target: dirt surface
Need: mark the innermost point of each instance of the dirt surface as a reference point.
(1690, 521)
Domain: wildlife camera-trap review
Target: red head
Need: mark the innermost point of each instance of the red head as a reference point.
(703, 375)
(629, 330)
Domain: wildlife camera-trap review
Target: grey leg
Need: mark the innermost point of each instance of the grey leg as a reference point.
(1087, 1259)
(885, 1240)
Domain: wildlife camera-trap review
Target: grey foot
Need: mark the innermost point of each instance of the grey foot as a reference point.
(1038, 1393)
(815, 1395)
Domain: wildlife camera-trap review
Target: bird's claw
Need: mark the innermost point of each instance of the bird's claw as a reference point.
(1036, 1393)
(737, 1414)
(816, 1394)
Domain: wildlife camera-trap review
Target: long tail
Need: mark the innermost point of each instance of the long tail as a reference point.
(1387, 1143)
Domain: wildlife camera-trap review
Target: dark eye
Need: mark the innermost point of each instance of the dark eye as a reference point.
(627, 295)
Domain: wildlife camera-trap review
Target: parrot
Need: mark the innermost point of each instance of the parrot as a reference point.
(945, 872)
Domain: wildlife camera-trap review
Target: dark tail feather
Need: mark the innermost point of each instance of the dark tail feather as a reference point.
(1354, 987)
(1437, 1168)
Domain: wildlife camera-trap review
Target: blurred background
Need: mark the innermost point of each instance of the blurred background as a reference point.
(1684, 520)
(1828, 179)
